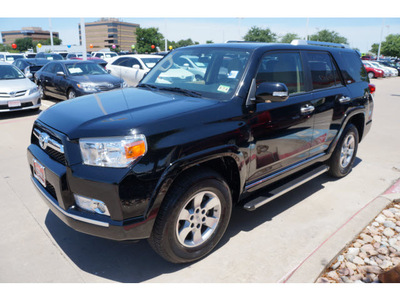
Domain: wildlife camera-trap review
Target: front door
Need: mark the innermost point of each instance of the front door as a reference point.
(282, 131)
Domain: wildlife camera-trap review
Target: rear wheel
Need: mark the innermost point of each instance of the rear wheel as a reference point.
(342, 159)
(193, 217)
(371, 75)
(41, 91)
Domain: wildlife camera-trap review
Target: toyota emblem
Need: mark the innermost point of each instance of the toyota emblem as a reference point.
(43, 140)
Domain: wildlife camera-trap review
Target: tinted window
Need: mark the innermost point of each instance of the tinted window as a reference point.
(352, 69)
(119, 61)
(57, 68)
(48, 68)
(282, 67)
(130, 62)
(324, 73)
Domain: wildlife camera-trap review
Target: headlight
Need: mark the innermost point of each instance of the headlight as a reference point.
(87, 87)
(33, 90)
(115, 152)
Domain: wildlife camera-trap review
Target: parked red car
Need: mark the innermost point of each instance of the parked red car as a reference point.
(373, 72)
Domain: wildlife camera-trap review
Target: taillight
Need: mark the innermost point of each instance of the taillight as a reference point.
(372, 88)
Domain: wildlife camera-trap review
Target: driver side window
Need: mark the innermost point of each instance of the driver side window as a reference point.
(283, 67)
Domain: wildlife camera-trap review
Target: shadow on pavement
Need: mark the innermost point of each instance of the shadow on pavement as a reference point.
(134, 262)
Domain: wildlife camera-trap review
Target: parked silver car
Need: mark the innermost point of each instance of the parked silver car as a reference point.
(17, 92)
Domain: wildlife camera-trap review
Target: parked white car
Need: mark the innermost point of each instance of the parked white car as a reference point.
(10, 57)
(387, 71)
(192, 64)
(17, 92)
(393, 71)
(107, 56)
(132, 68)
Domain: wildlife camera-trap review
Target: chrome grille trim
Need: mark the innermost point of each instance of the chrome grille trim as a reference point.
(51, 143)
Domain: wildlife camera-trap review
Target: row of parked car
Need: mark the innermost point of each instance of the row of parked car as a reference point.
(52, 74)
(49, 74)
(381, 68)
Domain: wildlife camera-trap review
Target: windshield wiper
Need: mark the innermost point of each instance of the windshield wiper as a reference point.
(149, 86)
(183, 91)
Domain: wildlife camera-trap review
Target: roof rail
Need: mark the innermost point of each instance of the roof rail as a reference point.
(304, 42)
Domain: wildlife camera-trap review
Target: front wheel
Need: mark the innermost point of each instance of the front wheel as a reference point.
(342, 159)
(71, 94)
(193, 217)
(371, 75)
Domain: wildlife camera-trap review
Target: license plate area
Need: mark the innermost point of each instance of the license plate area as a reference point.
(39, 172)
(14, 103)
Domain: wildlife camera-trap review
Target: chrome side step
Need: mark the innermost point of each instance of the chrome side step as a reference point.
(283, 189)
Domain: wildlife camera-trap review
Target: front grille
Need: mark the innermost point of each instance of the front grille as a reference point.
(108, 87)
(13, 94)
(57, 155)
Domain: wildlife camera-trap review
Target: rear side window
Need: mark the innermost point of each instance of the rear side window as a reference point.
(120, 61)
(352, 68)
(282, 67)
(324, 73)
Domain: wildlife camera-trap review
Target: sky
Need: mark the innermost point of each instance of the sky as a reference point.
(218, 21)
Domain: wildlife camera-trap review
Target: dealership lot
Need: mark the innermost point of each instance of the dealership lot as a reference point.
(261, 246)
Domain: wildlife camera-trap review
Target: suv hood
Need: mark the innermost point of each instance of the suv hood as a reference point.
(117, 112)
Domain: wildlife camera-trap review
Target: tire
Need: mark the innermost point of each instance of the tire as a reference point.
(371, 75)
(342, 160)
(193, 217)
(71, 94)
(41, 91)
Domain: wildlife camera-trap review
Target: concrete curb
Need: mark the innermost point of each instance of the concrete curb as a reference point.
(308, 270)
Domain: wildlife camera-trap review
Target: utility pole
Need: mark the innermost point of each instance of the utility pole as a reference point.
(51, 36)
(380, 43)
(83, 35)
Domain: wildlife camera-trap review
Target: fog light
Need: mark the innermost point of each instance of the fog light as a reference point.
(91, 205)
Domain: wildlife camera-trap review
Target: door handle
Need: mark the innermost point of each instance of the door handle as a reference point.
(344, 99)
(307, 109)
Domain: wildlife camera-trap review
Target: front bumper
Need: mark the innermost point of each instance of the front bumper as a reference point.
(58, 195)
(26, 102)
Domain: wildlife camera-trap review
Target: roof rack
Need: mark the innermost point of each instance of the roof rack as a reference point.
(304, 42)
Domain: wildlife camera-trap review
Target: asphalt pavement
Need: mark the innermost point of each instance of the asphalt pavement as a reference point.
(291, 239)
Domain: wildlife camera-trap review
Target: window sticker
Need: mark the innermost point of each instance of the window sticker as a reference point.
(233, 74)
(223, 88)
(75, 70)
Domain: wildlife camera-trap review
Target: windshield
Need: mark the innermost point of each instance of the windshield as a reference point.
(10, 72)
(79, 69)
(209, 72)
(11, 58)
(109, 55)
(151, 61)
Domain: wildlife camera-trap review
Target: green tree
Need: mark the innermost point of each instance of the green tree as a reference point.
(374, 48)
(24, 44)
(5, 48)
(391, 46)
(289, 37)
(328, 36)
(209, 42)
(147, 37)
(257, 34)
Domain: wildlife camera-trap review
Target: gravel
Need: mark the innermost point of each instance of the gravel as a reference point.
(375, 250)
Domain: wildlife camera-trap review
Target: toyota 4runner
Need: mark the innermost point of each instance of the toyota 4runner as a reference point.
(166, 161)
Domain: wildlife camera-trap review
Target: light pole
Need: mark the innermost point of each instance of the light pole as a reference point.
(380, 43)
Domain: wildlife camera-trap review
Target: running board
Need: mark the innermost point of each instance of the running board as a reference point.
(283, 189)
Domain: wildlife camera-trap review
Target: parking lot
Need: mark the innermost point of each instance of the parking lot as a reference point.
(289, 239)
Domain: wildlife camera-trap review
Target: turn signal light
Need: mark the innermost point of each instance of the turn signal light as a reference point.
(135, 149)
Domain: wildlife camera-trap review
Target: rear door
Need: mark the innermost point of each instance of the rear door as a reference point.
(330, 98)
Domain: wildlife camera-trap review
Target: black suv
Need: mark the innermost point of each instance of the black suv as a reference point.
(166, 161)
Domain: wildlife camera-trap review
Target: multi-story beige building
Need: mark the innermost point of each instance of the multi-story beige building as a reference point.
(108, 32)
(36, 33)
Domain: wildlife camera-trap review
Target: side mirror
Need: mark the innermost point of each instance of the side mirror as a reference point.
(29, 75)
(60, 74)
(272, 92)
(136, 66)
